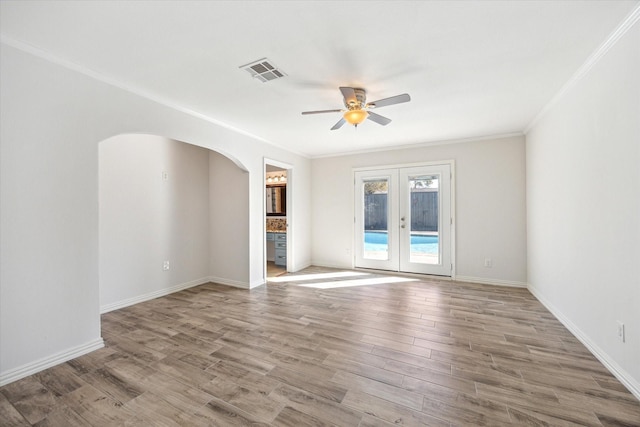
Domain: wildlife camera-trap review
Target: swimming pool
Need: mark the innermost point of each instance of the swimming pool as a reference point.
(377, 241)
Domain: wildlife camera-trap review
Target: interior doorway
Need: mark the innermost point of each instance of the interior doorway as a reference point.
(278, 213)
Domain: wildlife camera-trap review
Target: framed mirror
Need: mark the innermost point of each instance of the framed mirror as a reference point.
(276, 200)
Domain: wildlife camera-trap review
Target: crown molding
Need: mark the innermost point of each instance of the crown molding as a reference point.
(420, 145)
(631, 19)
(70, 65)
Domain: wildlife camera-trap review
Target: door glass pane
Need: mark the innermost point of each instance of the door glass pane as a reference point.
(376, 219)
(424, 219)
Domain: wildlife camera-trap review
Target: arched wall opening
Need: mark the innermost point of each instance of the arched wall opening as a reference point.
(50, 132)
(171, 215)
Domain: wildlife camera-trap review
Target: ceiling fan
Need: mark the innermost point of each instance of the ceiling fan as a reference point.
(355, 99)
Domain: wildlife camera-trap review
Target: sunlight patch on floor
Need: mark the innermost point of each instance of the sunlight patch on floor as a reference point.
(317, 276)
(357, 282)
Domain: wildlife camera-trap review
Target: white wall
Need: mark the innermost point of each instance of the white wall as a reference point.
(229, 207)
(146, 219)
(489, 199)
(583, 196)
(51, 121)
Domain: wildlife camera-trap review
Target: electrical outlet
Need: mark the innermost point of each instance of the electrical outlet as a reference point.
(621, 331)
(488, 262)
(165, 176)
(165, 265)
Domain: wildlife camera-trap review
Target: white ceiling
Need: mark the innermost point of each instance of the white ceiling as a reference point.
(472, 68)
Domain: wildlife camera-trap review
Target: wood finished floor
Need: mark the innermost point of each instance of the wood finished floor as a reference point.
(274, 270)
(329, 351)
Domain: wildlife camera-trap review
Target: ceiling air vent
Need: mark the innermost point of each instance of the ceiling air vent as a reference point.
(263, 70)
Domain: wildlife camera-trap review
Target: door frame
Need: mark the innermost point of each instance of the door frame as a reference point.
(451, 164)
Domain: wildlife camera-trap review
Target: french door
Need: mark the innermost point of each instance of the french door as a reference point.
(403, 219)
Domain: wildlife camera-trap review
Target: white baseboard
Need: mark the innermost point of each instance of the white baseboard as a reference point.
(152, 295)
(48, 362)
(481, 280)
(228, 282)
(331, 265)
(623, 376)
(301, 266)
(485, 281)
(257, 283)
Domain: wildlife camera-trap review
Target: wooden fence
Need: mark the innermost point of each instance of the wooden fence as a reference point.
(424, 211)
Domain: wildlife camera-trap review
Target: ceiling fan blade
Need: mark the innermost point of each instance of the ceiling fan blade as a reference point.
(320, 111)
(339, 124)
(378, 119)
(349, 95)
(398, 99)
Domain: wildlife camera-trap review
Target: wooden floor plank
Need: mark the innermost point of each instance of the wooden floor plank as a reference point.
(389, 411)
(10, 415)
(31, 399)
(423, 352)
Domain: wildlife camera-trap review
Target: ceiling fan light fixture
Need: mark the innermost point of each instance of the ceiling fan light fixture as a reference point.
(356, 116)
(355, 101)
